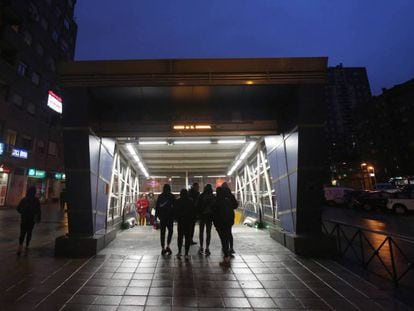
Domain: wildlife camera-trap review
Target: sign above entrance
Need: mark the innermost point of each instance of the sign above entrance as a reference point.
(1, 148)
(54, 102)
(36, 173)
(19, 153)
(192, 127)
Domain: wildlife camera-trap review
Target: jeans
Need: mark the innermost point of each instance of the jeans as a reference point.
(26, 229)
(225, 234)
(184, 231)
(207, 224)
(166, 224)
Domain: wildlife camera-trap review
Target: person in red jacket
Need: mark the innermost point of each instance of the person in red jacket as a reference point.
(142, 208)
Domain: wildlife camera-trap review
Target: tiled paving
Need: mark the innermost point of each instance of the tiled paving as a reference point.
(131, 275)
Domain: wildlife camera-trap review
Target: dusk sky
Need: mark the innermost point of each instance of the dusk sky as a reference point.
(377, 34)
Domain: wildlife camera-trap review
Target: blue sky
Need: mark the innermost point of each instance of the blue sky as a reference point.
(376, 34)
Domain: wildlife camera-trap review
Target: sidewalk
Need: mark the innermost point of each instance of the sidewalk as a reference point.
(130, 274)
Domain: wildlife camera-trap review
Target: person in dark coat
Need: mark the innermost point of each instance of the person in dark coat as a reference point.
(164, 211)
(205, 217)
(223, 218)
(30, 213)
(194, 193)
(234, 204)
(185, 215)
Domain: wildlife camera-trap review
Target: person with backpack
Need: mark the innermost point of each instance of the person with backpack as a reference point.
(234, 204)
(164, 211)
(30, 213)
(223, 218)
(205, 217)
(185, 215)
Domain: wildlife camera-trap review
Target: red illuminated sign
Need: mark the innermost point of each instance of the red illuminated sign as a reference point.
(54, 102)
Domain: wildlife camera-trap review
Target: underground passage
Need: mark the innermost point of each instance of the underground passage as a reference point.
(131, 126)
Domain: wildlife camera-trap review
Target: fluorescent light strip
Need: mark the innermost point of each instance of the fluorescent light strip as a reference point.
(192, 142)
(131, 149)
(231, 141)
(216, 176)
(153, 142)
(203, 127)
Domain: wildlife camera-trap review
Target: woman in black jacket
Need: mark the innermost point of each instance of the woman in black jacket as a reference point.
(164, 211)
(185, 215)
(205, 216)
(30, 213)
(223, 221)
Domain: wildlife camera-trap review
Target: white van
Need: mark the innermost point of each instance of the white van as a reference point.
(401, 203)
(336, 195)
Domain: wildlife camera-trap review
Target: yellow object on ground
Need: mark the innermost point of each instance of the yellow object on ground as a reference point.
(238, 217)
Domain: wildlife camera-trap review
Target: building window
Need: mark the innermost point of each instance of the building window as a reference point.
(66, 24)
(50, 62)
(17, 100)
(11, 137)
(44, 23)
(39, 49)
(55, 36)
(31, 108)
(52, 150)
(26, 142)
(63, 45)
(35, 78)
(41, 146)
(27, 37)
(21, 69)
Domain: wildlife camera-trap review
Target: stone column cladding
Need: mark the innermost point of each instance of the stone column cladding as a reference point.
(297, 159)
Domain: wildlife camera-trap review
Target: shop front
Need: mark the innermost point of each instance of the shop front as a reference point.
(4, 183)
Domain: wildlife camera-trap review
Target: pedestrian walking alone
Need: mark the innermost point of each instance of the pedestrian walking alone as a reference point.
(30, 213)
(205, 218)
(223, 218)
(194, 193)
(234, 205)
(185, 214)
(142, 209)
(164, 211)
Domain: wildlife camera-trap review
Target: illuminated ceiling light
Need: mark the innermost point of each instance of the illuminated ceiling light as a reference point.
(216, 176)
(176, 177)
(203, 127)
(198, 176)
(158, 176)
(249, 82)
(192, 127)
(192, 142)
(153, 142)
(231, 141)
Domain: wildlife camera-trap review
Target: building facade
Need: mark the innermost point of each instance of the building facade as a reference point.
(347, 90)
(386, 132)
(34, 37)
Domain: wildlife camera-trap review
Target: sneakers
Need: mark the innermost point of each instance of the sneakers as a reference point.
(232, 251)
(163, 251)
(207, 252)
(193, 243)
(200, 251)
(168, 251)
(178, 255)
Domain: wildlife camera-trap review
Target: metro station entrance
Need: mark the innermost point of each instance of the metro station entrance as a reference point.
(255, 123)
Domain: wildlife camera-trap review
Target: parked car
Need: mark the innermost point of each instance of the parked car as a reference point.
(401, 202)
(370, 200)
(337, 195)
(129, 216)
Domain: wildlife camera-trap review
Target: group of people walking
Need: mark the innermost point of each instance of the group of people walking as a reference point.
(190, 207)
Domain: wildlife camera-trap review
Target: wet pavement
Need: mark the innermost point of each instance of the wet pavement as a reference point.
(130, 274)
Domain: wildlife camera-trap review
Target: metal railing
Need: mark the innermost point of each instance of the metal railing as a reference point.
(374, 249)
